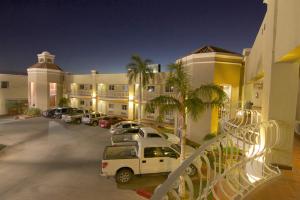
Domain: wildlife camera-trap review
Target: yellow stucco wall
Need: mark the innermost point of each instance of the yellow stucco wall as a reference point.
(229, 74)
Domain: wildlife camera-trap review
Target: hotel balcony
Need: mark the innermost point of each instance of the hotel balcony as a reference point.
(113, 94)
(74, 93)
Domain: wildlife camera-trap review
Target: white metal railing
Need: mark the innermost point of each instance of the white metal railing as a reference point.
(229, 166)
(81, 92)
(243, 117)
(113, 94)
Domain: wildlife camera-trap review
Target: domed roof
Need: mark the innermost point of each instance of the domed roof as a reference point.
(45, 66)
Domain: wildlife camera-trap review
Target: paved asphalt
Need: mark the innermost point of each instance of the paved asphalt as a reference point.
(47, 159)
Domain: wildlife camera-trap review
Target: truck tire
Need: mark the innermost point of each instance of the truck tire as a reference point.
(191, 170)
(95, 123)
(124, 175)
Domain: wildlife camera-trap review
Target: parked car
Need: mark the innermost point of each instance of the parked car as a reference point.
(106, 122)
(74, 116)
(147, 157)
(49, 113)
(60, 111)
(92, 118)
(123, 125)
(144, 132)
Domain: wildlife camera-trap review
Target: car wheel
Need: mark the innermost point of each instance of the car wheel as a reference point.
(124, 176)
(78, 121)
(95, 123)
(191, 170)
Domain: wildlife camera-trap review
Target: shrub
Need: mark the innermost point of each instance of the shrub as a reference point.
(33, 112)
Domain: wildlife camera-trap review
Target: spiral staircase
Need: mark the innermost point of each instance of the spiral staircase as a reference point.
(231, 165)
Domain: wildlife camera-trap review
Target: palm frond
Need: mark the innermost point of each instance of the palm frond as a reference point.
(211, 94)
(164, 104)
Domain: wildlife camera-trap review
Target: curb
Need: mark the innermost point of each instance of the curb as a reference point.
(144, 193)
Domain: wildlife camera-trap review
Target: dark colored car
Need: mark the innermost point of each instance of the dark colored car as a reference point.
(106, 122)
(61, 111)
(49, 113)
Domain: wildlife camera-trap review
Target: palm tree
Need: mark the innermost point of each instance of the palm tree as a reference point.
(187, 101)
(139, 69)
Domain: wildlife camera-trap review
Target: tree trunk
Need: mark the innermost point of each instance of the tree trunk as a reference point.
(140, 99)
(182, 190)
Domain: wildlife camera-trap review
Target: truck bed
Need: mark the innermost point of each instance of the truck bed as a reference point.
(120, 152)
(124, 139)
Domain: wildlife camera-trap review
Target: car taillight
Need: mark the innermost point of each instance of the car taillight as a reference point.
(104, 164)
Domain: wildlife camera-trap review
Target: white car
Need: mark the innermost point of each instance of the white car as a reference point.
(144, 132)
(124, 125)
(149, 156)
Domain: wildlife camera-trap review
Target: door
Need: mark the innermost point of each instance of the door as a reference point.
(171, 159)
(152, 161)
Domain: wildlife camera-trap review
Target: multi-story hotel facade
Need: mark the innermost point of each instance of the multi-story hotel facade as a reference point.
(46, 83)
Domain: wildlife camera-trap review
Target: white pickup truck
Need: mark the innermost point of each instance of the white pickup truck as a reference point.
(148, 156)
(144, 132)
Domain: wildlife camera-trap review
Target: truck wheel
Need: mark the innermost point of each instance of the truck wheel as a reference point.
(95, 123)
(78, 121)
(191, 170)
(124, 176)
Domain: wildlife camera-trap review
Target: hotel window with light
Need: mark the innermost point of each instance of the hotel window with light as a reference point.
(151, 88)
(169, 89)
(4, 84)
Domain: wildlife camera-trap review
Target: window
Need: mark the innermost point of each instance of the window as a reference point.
(124, 107)
(151, 88)
(81, 102)
(153, 135)
(125, 88)
(4, 84)
(152, 152)
(91, 103)
(111, 87)
(132, 131)
(97, 115)
(91, 87)
(111, 106)
(134, 125)
(81, 87)
(49, 61)
(169, 89)
(126, 126)
(168, 152)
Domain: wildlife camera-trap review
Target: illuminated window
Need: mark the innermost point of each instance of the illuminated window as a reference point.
(52, 94)
(169, 89)
(151, 88)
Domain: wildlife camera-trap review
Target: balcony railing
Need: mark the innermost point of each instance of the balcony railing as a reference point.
(81, 93)
(229, 166)
(113, 94)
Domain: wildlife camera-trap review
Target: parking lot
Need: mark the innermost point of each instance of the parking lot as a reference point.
(48, 159)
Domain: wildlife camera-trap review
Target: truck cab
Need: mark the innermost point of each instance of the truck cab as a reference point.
(148, 156)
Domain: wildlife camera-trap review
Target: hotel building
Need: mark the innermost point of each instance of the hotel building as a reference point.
(266, 75)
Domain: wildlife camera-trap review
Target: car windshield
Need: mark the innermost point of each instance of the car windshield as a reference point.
(165, 135)
(176, 147)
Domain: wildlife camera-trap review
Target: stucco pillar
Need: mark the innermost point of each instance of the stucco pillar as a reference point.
(279, 102)
(94, 91)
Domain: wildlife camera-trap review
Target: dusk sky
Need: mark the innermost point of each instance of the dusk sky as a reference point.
(103, 34)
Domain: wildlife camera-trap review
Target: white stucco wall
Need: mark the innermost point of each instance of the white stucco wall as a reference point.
(17, 90)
